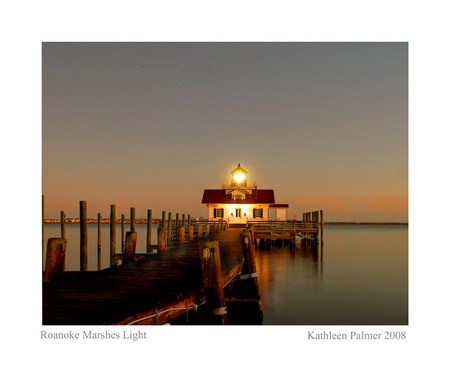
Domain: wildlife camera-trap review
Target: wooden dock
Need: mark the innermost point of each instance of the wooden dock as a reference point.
(152, 290)
(309, 228)
(198, 270)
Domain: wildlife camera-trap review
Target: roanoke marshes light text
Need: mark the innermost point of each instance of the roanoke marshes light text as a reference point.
(126, 334)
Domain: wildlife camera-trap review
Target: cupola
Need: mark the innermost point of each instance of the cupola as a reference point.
(239, 177)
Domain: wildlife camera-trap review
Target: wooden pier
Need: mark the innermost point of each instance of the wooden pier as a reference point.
(196, 278)
(311, 227)
(202, 272)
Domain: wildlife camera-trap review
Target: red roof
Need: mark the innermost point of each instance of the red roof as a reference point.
(220, 197)
(279, 206)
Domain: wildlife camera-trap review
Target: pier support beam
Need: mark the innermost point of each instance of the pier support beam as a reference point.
(190, 233)
(321, 226)
(162, 239)
(112, 236)
(99, 241)
(199, 231)
(248, 248)
(180, 235)
(149, 231)
(130, 247)
(83, 236)
(133, 219)
(63, 224)
(212, 278)
(56, 256)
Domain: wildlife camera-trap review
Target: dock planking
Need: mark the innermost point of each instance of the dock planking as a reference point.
(148, 291)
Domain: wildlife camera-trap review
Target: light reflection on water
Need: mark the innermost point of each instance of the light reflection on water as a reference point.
(358, 277)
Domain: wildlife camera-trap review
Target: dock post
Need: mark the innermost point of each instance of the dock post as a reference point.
(249, 252)
(112, 236)
(184, 221)
(177, 220)
(199, 231)
(130, 247)
(63, 225)
(251, 229)
(99, 242)
(83, 236)
(162, 239)
(321, 226)
(43, 242)
(180, 235)
(133, 219)
(56, 256)
(169, 227)
(149, 231)
(190, 232)
(216, 227)
(122, 223)
(212, 278)
(163, 220)
(207, 229)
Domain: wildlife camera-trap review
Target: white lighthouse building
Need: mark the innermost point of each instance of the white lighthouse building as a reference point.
(238, 202)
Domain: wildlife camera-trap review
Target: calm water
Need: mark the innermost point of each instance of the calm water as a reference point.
(359, 276)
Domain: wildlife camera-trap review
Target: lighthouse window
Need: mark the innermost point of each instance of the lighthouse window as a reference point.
(218, 213)
(257, 213)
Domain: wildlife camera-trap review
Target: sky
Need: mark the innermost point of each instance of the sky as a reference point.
(151, 125)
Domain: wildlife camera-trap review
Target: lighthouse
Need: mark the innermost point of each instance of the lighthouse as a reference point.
(238, 202)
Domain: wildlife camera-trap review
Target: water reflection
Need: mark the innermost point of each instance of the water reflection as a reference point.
(363, 279)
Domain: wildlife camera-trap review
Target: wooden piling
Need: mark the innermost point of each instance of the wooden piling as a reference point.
(133, 219)
(163, 225)
(177, 221)
(199, 231)
(162, 239)
(83, 236)
(149, 231)
(183, 221)
(190, 233)
(112, 236)
(180, 235)
(169, 227)
(321, 226)
(43, 242)
(212, 278)
(248, 248)
(63, 224)
(207, 230)
(99, 242)
(130, 247)
(122, 238)
(55, 259)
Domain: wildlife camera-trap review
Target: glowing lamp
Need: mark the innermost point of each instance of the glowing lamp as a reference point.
(239, 176)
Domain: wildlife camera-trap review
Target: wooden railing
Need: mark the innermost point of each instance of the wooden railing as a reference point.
(280, 225)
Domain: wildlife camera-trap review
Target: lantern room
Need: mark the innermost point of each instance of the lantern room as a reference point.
(239, 177)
